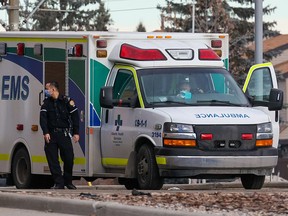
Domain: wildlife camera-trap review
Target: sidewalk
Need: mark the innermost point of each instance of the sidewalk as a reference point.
(80, 207)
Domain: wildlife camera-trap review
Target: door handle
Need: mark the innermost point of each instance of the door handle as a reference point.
(107, 116)
(40, 97)
(82, 115)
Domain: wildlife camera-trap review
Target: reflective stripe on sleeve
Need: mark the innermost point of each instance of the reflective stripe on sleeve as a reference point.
(74, 110)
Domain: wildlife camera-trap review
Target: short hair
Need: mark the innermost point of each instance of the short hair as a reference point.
(54, 84)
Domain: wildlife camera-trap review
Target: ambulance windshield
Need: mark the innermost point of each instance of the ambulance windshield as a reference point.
(165, 87)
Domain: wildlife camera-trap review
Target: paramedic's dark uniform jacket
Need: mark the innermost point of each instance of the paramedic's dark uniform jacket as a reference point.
(57, 118)
(55, 114)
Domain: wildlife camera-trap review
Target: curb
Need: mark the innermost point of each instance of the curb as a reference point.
(81, 207)
(204, 186)
(92, 208)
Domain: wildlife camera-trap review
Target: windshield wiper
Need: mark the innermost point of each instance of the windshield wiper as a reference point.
(216, 102)
(170, 101)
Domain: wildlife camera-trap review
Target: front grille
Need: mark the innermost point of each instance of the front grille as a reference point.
(225, 137)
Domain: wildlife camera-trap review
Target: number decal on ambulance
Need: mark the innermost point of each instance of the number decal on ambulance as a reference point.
(140, 123)
(156, 134)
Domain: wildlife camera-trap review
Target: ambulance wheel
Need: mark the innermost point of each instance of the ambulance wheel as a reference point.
(129, 183)
(21, 169)
(147, 169)
(252, 181)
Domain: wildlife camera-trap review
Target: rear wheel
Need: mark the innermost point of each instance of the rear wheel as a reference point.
(147, 169)
(21, 169)
(252, 181)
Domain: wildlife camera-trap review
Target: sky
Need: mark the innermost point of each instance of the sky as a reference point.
(127, 14)
(127, 20)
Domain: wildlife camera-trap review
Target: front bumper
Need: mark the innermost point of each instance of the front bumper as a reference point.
(192, 162)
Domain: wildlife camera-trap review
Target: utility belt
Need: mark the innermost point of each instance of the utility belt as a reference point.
(59, 130)
(66, 131)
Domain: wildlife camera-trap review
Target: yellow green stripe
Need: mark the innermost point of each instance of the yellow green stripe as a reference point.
(136, 82)
(79, 161)
(114, 161)
(43, 159)
(39, 159)
(4, 157)
(161, 160)
(254, 67)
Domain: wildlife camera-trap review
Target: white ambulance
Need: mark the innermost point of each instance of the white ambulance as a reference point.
(152, 106)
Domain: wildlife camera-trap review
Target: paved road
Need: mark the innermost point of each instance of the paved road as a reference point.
(23, 212)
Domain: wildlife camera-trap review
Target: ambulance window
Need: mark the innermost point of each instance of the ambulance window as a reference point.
(124, 87)
(208, 86)
(260, 84)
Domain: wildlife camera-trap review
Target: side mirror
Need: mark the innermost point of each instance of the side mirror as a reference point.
(275, 99)
(106, 97)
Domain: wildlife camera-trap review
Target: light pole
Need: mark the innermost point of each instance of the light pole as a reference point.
(13, 11)
(258, 31)
(193, 16)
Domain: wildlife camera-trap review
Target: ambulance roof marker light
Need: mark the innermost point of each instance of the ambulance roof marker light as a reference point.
(128, 51)
(20, 49)
(3, 48)
(101, 43)
(78, 50)
(216, 43)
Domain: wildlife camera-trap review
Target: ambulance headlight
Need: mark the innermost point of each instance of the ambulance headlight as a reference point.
(264, 136)
(264, 128)
(179, 135)
(178, 128)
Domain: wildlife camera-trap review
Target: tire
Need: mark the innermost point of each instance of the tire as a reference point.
(252, 181)
(147, 170)
(129, 183)
(21, 169)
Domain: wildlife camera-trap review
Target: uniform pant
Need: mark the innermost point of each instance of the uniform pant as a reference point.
(60, 141)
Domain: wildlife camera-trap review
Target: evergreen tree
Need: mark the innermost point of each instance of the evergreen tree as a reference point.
(140, 27)
(235, 17)
(70, 15)
(101, 20)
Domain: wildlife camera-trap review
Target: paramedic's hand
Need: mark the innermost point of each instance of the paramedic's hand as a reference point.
(76, 137)
(47, 138)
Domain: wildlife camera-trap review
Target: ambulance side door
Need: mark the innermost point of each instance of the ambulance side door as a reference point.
(260, 80)
(118, 123)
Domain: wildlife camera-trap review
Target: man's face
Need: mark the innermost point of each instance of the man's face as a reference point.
(185, 87)
(51, 90)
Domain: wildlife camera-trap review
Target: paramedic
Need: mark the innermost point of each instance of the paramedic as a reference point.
(59, 120)
(185, 86)
(185, 90)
